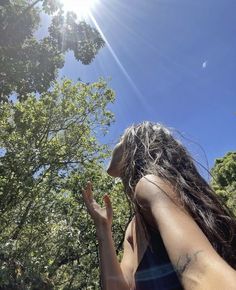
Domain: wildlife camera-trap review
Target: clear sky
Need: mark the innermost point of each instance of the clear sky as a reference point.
(173, 62)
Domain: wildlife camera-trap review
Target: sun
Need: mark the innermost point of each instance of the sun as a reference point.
(82, 8)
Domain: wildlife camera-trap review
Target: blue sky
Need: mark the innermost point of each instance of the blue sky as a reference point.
(173, 62)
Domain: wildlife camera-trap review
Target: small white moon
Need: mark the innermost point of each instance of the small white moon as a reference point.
(204, 64)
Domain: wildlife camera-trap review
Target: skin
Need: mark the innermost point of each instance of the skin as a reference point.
(114, 167)
(196, 262)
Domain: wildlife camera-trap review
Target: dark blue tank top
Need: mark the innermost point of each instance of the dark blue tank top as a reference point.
(155, 271)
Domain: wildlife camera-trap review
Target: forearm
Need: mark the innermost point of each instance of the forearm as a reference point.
(112, 276)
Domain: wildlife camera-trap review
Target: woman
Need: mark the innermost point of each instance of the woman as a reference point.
(181, 236)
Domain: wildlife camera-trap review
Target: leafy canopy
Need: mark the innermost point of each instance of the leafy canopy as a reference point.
(49, 149)
(28, 64)
(224, 179)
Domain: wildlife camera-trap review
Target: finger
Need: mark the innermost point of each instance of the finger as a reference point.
(86, 200)
(108, 205)
(89, 191)
(87, 195)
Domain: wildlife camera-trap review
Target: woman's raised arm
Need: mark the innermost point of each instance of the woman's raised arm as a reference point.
(198, 264)
(112, 274)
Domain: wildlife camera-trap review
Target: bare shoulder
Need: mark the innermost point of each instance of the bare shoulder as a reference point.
(152, 188)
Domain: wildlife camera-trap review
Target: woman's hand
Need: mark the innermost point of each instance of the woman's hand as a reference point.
(102, 216)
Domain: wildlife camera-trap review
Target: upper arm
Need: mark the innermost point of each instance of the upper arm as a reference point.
(197, 263)
(127, 262)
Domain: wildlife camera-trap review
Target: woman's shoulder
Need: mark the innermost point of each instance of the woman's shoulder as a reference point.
(152, 188)
(149, 178)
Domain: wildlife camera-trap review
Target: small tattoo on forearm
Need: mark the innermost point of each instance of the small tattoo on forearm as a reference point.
(184, 261)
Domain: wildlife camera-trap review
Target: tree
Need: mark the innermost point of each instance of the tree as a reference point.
(224, 179)
(49, 149)
(30, 65)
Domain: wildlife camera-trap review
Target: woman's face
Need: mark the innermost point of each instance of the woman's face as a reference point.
(114, 168)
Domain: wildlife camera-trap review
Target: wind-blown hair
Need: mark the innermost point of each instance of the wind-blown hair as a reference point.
(150, 148)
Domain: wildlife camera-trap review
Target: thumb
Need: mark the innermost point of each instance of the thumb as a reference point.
(108, 205)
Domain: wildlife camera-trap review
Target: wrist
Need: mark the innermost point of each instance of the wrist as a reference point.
(103, 231)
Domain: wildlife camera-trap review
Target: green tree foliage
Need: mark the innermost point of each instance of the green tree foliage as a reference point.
(49, 149)
(30, 65)
(224, 179)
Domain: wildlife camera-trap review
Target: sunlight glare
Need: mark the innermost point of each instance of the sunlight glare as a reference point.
(122, 68)
(82, 8)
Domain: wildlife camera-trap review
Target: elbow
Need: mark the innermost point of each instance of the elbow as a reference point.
(211, 276)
